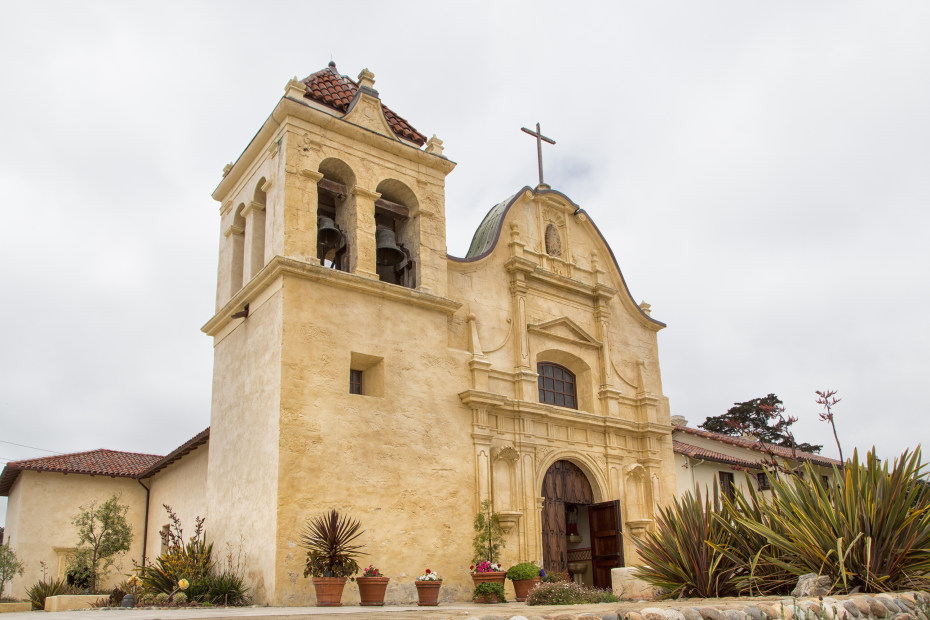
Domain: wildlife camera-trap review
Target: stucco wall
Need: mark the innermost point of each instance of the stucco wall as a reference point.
(399, 462)
(243, 455)
(43, 505)
(183, 486)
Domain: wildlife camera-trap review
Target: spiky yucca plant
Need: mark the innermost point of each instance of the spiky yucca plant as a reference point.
(682, 555)
(329, 540)
(872, 530)
(752, 553)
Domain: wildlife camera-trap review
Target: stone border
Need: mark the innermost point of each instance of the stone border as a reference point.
(895, 606)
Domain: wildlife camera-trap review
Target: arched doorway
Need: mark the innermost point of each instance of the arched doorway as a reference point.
(575, 529)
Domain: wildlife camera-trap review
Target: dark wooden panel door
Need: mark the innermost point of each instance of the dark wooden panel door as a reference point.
(606, 541)
(564, 483)
(555, 541)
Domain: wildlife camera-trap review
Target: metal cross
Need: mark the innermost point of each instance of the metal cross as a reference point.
(539, 140)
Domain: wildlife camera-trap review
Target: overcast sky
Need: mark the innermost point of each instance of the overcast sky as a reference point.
(761, 171)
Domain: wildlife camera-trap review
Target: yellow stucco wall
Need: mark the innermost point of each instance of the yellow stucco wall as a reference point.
(43, 504)
(182, 485)
(243, 458)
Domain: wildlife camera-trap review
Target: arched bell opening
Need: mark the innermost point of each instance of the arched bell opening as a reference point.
(580, 538)
(397, 233)
(335, 223)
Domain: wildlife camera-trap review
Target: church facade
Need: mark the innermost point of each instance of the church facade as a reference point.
(359, 367)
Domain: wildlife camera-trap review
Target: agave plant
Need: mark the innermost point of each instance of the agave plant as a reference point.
(329, 540)
(871, 531)
(683, 555)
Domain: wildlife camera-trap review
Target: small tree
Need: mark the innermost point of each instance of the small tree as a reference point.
(10, 565)
(103, 536)
(761, 417)
(827, 398)
(489, 535)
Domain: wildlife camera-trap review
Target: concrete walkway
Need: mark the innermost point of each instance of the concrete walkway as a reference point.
(461, 611)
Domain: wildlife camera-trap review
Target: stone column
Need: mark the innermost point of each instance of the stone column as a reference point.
(300, 204)
(254, 250)
(360, 209)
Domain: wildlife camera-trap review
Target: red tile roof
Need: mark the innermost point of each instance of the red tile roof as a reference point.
(185, 448)
(102, 463)
(703, 454)
(94, 463)
(753, 444)
(337, 92)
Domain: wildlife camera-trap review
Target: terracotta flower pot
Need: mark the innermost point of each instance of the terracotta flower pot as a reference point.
(522, 588)
(428, 592)
(329, 591)
(371, 590)
(495, 577)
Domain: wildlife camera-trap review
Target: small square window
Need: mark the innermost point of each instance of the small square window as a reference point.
(727, 485)
(762, 480)
(355, 382)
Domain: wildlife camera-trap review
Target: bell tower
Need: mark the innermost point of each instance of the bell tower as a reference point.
(332, 266)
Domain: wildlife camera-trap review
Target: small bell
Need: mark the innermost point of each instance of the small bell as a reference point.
(387, 251)
(327, 234)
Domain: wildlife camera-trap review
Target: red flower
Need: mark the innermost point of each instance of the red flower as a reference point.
(427, 571)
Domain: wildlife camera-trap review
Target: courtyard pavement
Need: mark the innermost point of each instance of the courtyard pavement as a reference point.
(460, 611)
(457, 611)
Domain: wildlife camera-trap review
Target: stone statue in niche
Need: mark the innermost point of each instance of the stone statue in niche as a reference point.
(553, 241)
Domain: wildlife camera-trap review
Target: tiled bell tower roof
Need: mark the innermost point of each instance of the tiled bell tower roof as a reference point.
(337, 91)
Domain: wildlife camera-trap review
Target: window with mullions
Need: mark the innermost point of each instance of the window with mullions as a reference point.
(556, 385)
(355, 382)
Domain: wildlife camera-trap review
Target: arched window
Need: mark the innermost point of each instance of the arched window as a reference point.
(556, 385)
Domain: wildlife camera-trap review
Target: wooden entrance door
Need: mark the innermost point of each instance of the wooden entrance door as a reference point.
(564, 483)
(606, 541)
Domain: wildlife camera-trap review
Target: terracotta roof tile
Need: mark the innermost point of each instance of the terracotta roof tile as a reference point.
(753, 444)
(185, 448)
(337, 91)
(94, 462)
(696, 452)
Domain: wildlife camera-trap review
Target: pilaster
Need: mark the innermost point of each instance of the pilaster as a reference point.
(300, 201)
(361, 207)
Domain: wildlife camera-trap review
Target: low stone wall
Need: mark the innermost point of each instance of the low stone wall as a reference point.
(895, 606)
(6, 608)
(66, 602)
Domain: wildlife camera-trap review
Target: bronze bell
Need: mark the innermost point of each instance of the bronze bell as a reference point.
(327, 234)
(387, 251)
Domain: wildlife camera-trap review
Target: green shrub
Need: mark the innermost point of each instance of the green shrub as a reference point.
(190, 560)
(147, 599)
(180, 598)
(761, 569)
(489, 590)
(226, 588)
(161, 598)
(43, 589)
(871, 531)
(682, 556)
(523, 570)
(567, 593)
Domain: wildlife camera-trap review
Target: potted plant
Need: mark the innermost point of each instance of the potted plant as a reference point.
(371, 586)
(525, 576)
(428, 585)
(488, 592)
(487, 544)
(331, 555)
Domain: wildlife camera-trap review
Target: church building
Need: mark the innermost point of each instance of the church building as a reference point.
(360, 367)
